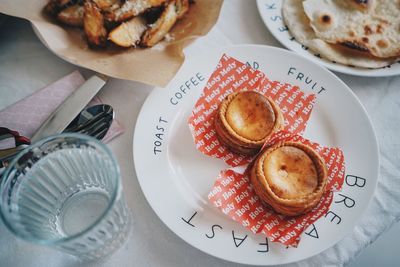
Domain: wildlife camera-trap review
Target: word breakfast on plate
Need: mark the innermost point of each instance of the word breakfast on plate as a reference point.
(239, 238)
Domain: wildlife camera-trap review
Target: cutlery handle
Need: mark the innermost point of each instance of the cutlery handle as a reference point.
(71, 107)
(7, 154)
(19, 139)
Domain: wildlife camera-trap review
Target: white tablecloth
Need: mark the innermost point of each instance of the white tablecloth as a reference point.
(26, 65)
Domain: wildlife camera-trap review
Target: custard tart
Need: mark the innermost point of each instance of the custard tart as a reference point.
(245, 120)
(290, 177)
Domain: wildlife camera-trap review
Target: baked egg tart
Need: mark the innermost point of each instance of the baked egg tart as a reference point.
(245, 120)
(290, 177)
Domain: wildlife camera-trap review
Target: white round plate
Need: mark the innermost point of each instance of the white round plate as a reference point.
(176, 178)
(271, 14)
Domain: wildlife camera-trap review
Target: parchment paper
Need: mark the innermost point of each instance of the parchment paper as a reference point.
(155, 66)
(232, 192)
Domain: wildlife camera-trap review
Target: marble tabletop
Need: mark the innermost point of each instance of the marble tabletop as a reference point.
(26, 66)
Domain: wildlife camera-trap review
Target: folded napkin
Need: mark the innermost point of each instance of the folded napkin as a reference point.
(28, 114)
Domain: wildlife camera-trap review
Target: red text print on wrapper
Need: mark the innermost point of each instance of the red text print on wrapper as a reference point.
(234, 195)
(232, 76)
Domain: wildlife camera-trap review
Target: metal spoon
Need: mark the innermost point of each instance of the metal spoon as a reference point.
(94, 121)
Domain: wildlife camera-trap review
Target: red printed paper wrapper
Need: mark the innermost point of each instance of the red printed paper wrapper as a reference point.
(234, 195)
(232, 76)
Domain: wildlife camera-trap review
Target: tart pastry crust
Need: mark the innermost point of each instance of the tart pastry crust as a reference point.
(290, 177)
(245, 120)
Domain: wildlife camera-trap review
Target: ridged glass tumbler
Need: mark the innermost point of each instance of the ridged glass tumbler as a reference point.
(65, 192)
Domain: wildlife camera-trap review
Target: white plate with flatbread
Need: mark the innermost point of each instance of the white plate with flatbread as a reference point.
(176, 178)
(271, 12)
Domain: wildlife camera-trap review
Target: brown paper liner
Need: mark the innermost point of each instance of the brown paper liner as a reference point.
(232, 76)
(234, 195)
(233, 192)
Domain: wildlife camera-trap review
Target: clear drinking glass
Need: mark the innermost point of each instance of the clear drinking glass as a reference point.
(65, 192)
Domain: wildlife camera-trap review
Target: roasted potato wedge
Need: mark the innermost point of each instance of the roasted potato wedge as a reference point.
(128, 33)
(132, 8)
(126, 23)
(152, 14)
(161, 27)
(72, 15)
(54, 6)
(93, 25)
(107, 5)
(182, 6)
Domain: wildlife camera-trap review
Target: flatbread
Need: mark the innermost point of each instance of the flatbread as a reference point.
(374, 29)
(298, 24)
